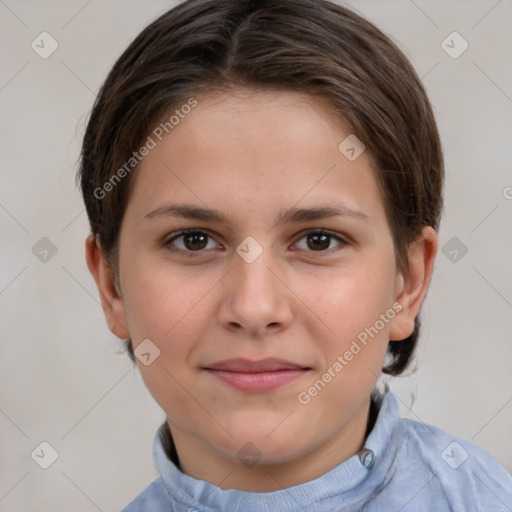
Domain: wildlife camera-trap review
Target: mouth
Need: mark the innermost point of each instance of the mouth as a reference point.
(256, 376)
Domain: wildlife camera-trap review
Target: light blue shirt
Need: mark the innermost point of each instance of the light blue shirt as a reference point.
(405, 466)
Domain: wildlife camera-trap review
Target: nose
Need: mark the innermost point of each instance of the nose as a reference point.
(256, 299)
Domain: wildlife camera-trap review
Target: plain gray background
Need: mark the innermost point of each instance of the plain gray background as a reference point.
(63, 377)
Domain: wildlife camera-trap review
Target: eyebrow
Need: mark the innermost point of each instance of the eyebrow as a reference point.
(293, 215)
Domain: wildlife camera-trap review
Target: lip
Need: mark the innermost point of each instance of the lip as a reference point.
(256, 376)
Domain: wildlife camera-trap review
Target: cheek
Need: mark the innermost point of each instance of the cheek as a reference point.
(172, 390)
(353, 356)
(173, 311)
(172, 321)
(160, 300)
(351, 326)
(350, 301)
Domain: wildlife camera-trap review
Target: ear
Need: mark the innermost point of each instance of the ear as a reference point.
(111, 299)
(413, 284)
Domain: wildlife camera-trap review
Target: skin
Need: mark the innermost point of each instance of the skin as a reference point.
(251, 155)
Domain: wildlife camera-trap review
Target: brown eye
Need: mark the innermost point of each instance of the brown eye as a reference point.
(319, 240)
(195, 241)
(191, 241)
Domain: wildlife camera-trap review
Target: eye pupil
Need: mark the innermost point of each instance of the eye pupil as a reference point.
(195, 241)
(319, 237)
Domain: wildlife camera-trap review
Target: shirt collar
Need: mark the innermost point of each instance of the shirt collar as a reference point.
(354, 481)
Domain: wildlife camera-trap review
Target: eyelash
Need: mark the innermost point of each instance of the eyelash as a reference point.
(192, 254)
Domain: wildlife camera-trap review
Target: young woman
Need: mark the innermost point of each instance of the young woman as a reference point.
(264, 182)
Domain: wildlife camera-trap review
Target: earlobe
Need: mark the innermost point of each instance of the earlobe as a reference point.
(412, 285)
(111, 299)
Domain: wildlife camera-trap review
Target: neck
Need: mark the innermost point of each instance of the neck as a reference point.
(202, 462)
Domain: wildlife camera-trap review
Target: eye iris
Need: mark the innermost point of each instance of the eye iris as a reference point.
(195, 241)
(322, 238)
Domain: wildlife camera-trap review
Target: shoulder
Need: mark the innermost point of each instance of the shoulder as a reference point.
(470, 477)
(153, 497)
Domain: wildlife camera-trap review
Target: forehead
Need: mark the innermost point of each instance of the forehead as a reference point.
(269, 149)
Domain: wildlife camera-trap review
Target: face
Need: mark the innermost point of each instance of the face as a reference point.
(255, 304)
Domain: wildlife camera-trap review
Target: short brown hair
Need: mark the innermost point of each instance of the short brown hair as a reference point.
(314, 47)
